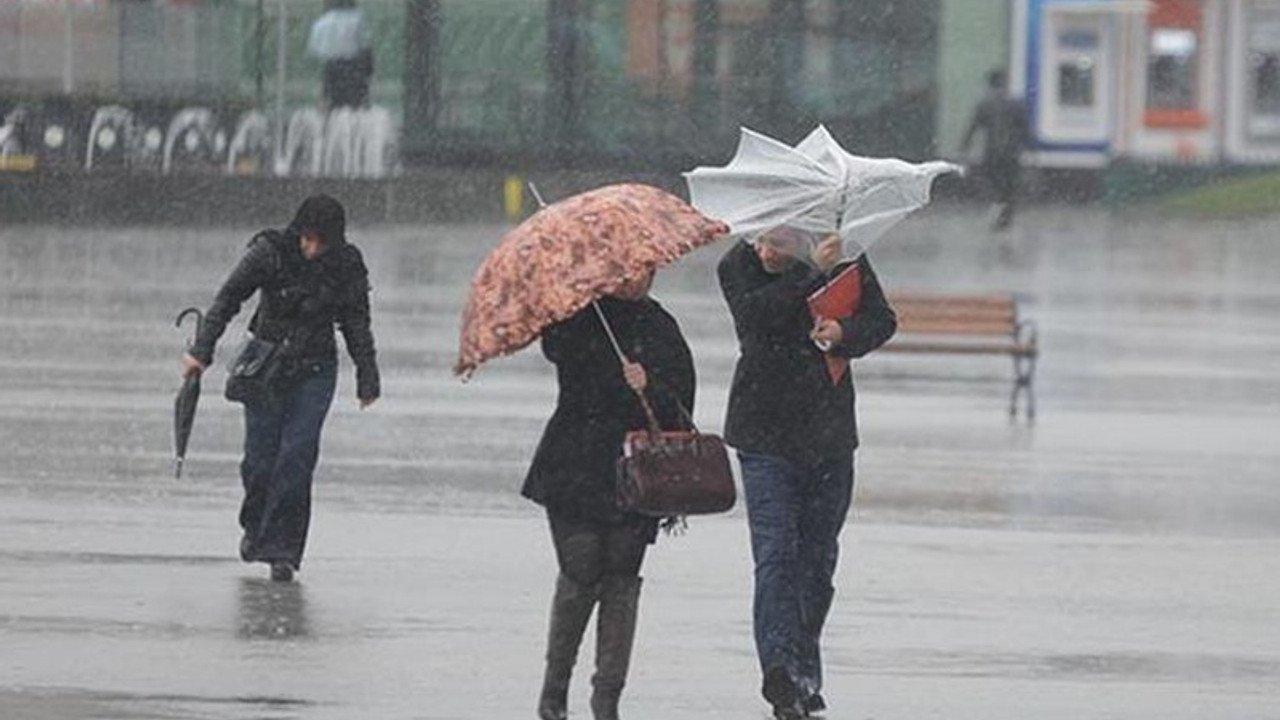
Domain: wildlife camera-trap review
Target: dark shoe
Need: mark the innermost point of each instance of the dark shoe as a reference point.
(780, 690)
(813, 705)
(570, 610)
(554, 704)
(615, 636)
(604, 703)
(281, 572)
(782, 712)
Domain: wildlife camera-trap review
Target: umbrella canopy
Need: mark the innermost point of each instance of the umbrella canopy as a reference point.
(817, 187)
(568, 254)
(184, 405)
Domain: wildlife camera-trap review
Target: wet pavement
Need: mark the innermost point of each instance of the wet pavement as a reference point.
(1118, 559)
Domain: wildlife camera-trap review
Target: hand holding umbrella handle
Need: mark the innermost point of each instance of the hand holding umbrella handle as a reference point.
(184, 405)
(827, 252)
(191, 366)
(622, 358)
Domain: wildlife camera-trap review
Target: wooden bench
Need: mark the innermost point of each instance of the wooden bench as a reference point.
(970, 325)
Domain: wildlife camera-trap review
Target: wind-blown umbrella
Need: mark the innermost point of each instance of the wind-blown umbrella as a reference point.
(568, 254)
(184, 405)
(816, 186)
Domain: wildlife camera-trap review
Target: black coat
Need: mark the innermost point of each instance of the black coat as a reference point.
(574, 469)
(1004, 120)
(301, 301)
(782, 401)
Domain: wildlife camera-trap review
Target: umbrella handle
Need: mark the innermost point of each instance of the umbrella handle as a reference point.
(199, 320)
(652, 419)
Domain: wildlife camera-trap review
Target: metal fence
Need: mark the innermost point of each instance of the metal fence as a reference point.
(621, 82)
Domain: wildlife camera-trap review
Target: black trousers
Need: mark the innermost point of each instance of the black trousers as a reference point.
(281, 447)
(588, 551)
(346, 82)
(1002, 174)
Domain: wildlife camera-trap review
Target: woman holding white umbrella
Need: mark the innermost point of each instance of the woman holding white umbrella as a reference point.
(804, 216)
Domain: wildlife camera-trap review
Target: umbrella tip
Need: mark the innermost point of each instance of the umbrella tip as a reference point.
(177, 469)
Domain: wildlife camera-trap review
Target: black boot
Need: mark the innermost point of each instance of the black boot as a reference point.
(281, 572)
(570, 610)
(780, 690)
(615, 635)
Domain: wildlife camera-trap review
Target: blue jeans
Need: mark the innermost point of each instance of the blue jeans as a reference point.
(795, 514)
(281, 447)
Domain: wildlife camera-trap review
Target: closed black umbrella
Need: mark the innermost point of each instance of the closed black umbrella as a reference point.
(184, 405)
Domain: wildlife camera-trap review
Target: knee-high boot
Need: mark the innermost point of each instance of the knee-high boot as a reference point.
(570, 610)
(615, 635)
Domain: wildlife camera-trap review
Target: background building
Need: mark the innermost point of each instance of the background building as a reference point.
(1160, 81)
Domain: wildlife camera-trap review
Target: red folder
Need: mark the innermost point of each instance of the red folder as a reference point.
(837, 300)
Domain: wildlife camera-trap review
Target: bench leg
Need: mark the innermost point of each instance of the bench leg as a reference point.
(1024, 369)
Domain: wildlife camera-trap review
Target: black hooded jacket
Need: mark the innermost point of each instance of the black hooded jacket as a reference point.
(300, 302)
(782, 401)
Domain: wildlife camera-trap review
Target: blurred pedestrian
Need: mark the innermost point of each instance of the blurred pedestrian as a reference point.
(795, 433)
(309, 279)
(600, 548)
(1003, 123)
(342, 40)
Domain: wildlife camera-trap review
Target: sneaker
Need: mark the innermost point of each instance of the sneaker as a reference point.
(783, 712)
(780, 690)
(813, 705)
(281, 572)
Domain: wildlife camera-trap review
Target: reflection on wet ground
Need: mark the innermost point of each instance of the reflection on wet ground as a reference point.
(272, 610)
(1117, 559)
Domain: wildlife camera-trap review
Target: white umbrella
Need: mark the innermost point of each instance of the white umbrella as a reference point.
(817, 187)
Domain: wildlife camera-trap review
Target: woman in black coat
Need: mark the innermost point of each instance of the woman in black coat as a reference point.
(309, 279)
(599, 547)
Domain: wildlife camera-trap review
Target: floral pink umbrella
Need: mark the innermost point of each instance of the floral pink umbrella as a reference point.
(569, 254)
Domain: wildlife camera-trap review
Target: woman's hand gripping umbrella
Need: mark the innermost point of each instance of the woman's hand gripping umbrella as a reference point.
(184, 405)
(815, 203)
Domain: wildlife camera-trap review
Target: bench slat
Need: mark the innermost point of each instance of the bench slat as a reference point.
(954, 302)
(954, 327)
(915, 346)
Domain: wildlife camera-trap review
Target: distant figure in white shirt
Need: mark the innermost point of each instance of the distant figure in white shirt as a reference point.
(342, 40)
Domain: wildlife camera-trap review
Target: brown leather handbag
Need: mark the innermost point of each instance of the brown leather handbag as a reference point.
(666, 473)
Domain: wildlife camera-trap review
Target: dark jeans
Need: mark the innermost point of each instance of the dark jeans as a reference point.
(1002, 175)
(281, 447)
(587, 551)
(795, 514)
(346, 82)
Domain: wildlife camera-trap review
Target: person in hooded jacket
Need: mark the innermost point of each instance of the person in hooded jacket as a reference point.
(600, 548)
(795, 432)
(309, 279)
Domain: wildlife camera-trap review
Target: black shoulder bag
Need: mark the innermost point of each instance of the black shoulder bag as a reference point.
(251, 379)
